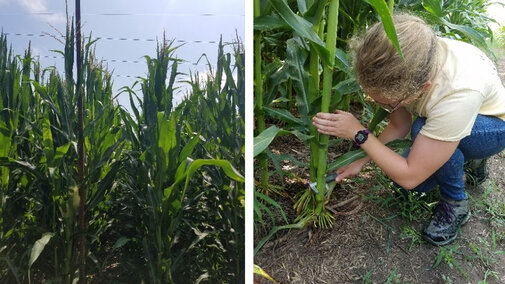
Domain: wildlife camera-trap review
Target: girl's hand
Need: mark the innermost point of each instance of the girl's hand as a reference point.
(340, 124)
(351, 170)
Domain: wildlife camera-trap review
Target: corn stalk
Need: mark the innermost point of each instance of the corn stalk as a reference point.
(258, 91)
(80, 146)
(314, 90)
(331, 38)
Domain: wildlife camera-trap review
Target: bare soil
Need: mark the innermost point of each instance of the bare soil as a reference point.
(378, 240)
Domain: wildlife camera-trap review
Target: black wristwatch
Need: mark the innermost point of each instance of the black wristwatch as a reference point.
(361, 137)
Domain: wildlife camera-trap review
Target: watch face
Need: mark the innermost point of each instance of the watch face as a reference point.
(360, 137)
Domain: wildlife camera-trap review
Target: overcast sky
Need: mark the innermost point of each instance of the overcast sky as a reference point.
(197, 23)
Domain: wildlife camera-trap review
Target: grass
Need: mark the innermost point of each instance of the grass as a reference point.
(394, 277)
(447, 254)
(410, 233)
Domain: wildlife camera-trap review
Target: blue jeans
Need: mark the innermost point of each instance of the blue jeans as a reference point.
(487, 138)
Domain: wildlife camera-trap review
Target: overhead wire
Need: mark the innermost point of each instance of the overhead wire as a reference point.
(120, 60)
(126, 14)
(116, 38)
(121, 38)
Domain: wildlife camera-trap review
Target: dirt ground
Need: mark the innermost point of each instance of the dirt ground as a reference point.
(379, 242)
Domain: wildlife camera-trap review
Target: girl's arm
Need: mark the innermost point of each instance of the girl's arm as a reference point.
(426, 155)
(397, 128)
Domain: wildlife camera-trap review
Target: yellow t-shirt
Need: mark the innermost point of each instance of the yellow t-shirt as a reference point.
(466, 84)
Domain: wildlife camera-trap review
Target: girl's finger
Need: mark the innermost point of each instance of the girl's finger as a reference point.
(324, 129)
(322, 121)
(337, 111)
(328, 116)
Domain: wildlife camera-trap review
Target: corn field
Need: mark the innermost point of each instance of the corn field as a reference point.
(165, 187)
(303, 66)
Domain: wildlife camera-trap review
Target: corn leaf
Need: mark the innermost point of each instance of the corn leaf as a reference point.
(167, 136)
(434, 7)
(263, 140)
(226, 166)
(342, 61)
(47, 139)
(5, 142)
(277, 159)
(345, 87)
(104, 185)
(37, 249)
(269, 22)
(61, 151)
(275, 229)
(302, 27)
(298, 135)
(189, 147)
(315, 11)
(283, 115)
(346, 159)
(352, 156)
(470, 33)
(26, 166)
(120, 242)
(382, 9)
(302, 6)
(378, 116)
(262, 273)
(296, 57)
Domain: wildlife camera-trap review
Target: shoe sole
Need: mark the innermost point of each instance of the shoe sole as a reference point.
(443, 243)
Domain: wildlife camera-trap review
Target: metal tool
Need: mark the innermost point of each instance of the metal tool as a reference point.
(329, 178)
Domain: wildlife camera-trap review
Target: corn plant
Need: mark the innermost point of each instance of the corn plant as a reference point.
(164, 159)
(260, 116)
(219, 100)
(305, 56)
(42, 159)
(462, 20)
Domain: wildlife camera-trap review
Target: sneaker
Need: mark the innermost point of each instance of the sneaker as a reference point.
(476, 171)
(448, 217)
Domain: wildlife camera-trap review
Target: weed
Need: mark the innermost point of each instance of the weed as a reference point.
(410, 233)
(413, 207)
(487, 274)
(447, 254)
(491, 206)
(394, 277)
(367, 278)
(446, 279)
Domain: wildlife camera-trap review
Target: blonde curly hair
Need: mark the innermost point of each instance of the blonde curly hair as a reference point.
(382, 72)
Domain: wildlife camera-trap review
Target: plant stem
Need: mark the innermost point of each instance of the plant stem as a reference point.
(331, 39)
(314, 94)
(258, 95)
(80, 146)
